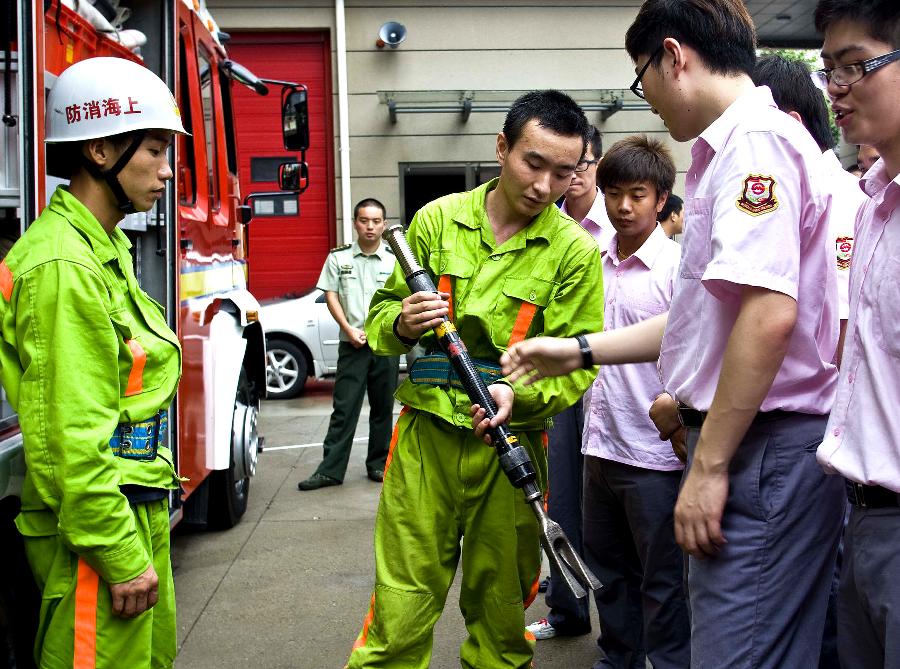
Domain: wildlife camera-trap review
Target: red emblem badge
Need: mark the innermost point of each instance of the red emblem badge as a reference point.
(758, 195)
(844, 248)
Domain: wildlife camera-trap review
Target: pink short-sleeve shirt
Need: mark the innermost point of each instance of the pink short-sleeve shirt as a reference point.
(755, 215)
(862, 441)
(617, 425)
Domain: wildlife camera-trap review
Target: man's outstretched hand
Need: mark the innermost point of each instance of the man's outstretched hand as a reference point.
(540, 357)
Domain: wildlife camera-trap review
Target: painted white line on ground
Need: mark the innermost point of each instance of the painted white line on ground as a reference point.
(318, 443)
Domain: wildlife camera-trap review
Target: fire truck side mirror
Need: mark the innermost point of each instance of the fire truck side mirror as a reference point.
(295, 118)
(293, 177)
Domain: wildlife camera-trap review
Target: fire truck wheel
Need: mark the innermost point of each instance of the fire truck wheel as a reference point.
(286, 369)
(229, 489)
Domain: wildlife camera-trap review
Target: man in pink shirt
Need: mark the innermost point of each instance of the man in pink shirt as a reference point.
(749, 342)
(631, 477)
(584, 201)
(796, 95)
(861, 55)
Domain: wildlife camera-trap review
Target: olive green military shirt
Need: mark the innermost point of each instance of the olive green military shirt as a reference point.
(552, 264)
(355, 276)
(82, 349)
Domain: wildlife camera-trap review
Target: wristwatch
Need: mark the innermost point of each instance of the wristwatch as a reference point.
(587, 355)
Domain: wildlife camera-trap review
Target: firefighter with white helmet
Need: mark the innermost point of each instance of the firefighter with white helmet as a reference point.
(90, 365)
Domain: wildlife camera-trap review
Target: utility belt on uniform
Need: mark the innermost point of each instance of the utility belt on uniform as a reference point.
(435, 369)
(140, 440)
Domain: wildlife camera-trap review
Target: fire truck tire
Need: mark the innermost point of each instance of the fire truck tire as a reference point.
(229, 489)
(286, 369)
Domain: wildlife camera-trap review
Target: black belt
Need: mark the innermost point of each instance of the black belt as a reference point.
(871, 496)
(690, 417)
(693, 418)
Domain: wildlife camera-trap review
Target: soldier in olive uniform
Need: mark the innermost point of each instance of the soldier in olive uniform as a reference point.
(351, 275)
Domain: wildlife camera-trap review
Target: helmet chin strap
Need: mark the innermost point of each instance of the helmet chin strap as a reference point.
(110, 175)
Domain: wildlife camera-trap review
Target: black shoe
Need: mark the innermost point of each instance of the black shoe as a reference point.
(317, 481)
(544, 584)
(376, 475)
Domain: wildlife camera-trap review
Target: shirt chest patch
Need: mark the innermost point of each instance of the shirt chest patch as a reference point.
(844, 249)
(758, 195)
(346, 269)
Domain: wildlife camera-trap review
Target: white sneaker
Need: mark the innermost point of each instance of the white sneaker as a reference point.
(542, 629)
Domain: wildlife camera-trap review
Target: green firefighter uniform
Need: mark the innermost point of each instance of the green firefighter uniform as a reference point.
(88, 362)
(441, 482)
(355, 276)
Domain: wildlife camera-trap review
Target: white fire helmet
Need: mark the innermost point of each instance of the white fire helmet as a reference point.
(104, 97)
(100, 97)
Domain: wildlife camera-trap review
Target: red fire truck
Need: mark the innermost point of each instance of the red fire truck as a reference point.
(190, 252)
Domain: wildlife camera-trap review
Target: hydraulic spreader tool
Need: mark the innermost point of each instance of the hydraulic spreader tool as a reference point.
(514, 458)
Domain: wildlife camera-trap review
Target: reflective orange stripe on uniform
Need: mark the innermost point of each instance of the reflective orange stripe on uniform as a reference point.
(6, 281)
(136, 377)
(535, 587)
(390, 455)
(85, 651)
(545, 440)
(446, 286)
(361, 641)
(523, 322)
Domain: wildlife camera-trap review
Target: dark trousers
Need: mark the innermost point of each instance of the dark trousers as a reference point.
(629, 544)
(358, 371)
(868, 608)
(761, 602)
(568, 615)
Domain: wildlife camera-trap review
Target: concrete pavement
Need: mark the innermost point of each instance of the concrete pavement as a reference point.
(288, 588)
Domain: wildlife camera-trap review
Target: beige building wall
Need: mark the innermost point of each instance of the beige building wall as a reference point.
(451, 47)
(464, 45)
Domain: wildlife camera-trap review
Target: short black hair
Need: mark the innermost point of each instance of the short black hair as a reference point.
(64, 159)
(553, 110)
(881, 18)
(720, 31)
(369, 202)
(672, 205)
(793, 90)
(637, 158)
(595, 141)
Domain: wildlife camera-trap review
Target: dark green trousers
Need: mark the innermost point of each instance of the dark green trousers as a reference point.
(359, 371)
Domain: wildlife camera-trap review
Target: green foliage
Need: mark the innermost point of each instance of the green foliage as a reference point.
(812, 61)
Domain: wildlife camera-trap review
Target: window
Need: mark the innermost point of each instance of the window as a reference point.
(187, 187)
(420, 183)
(209, 124)
(266, 169)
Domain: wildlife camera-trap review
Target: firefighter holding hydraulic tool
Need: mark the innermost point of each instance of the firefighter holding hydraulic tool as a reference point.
(508, 266)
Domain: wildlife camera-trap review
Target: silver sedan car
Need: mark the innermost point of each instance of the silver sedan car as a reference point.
(301, 341)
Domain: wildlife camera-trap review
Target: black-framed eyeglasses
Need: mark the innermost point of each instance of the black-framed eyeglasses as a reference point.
(849, 74)
(584, 164)
(636, 86)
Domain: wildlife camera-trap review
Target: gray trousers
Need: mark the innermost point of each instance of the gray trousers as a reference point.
(868, 608)
(564, 465)
(629, 544)
(761, 602)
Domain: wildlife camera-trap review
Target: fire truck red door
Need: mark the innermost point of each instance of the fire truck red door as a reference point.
(286, 249)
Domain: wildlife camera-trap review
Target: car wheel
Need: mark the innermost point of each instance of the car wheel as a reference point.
(286, 369)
